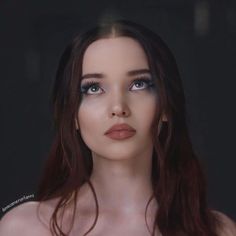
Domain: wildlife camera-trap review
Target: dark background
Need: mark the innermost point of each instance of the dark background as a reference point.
(33, 34)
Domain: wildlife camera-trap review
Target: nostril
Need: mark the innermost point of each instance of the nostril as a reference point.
(123, 113)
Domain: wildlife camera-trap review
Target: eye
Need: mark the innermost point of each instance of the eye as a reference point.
(90, 87)
(142, 83)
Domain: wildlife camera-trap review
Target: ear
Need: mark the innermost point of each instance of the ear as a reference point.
(76, 125)
(164, 118)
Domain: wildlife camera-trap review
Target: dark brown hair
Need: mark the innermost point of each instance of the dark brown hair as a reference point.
(178, 180)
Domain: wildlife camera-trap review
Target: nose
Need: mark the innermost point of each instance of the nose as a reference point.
(119, 106)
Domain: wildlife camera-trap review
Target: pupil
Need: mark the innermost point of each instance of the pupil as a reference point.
(139, 83)
(94, 88)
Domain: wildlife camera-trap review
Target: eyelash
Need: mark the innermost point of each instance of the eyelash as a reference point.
(86, 86)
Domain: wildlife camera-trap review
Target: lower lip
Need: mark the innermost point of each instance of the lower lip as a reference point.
(121, 134)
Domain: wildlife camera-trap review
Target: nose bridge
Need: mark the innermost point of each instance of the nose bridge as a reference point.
(118, 97)
(118, 101)
(117, 93)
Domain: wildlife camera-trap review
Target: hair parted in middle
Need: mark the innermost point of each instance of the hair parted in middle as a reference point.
(178, 181)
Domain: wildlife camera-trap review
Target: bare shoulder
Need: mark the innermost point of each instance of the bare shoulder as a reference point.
(24, 220)
(228, 225)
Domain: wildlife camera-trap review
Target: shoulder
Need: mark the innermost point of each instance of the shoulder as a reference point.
(228, 226)
(24, 219)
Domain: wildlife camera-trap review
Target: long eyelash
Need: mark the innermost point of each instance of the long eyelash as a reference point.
(146, 80)
(85, 87)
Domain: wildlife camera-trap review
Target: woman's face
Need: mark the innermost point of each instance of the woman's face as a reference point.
(112, 93)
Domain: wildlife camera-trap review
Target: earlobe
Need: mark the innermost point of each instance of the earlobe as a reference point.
(76, 125)
(164, 118)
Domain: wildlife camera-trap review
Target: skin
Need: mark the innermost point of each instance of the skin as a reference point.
(121, 174)
(122, 168)
(127, 161)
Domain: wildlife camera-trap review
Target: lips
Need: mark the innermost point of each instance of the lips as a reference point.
(119, 127)
(120, 131)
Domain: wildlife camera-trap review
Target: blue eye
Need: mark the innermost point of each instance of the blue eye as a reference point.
(143, 83)
(92, 87)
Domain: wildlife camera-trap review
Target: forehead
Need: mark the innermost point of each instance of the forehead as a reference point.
(114, 54)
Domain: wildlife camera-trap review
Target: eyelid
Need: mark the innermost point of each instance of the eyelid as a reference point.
(87, 85)
(142, 78)
(145, 79)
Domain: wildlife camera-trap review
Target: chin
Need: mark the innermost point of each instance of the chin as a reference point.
(115, 155)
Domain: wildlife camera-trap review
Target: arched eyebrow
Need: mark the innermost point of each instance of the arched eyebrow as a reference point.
(129, 73)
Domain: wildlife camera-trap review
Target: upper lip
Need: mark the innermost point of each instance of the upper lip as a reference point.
(118, 127)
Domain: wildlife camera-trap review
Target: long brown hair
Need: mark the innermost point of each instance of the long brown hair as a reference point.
(178, 180)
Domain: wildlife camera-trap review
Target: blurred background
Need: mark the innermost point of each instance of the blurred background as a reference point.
(33, 34)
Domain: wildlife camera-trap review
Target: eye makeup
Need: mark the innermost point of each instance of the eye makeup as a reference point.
(147, 81)
(87, 85)
(94, 84)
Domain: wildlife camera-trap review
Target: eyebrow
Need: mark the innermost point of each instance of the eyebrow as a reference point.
(129, 73)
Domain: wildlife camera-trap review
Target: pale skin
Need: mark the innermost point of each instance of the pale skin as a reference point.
(121, 173)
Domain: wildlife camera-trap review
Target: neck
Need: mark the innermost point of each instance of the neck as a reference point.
(122, 186)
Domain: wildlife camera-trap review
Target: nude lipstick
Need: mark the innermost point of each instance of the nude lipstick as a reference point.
(120, 132)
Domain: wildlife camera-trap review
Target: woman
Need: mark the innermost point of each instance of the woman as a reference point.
(122, 162)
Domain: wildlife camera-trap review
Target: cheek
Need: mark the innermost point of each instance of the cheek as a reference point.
(92, 114)
(89, 117)
(145, 112)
